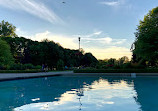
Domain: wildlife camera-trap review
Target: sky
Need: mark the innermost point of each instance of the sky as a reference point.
(106, 27)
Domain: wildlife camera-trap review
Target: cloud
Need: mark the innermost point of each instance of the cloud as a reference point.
(20, 32)
(34, 8)
(107, 40)
(97, 37)
(97, 33)
(110, 3)
(114, 3)
(63, 40)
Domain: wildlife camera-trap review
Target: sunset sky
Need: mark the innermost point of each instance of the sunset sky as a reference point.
(106, 27)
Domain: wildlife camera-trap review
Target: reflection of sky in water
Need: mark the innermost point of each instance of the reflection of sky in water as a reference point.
(100, 95)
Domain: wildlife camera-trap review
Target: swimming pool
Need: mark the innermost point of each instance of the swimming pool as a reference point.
(80, 93)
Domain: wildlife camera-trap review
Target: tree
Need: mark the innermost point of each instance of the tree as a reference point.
(89, 60)
(6, 59)
(7, 29)
(60, 65)
(123, 60)
(146, 43)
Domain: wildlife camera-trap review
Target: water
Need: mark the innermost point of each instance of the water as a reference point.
(80, 93)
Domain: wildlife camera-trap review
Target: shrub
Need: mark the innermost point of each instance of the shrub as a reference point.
(29, 66)
(16, 67)
(117, 67)
(126, 66)
(24, 67)
(37, 67)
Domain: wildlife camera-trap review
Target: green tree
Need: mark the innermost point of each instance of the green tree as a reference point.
(60, 65)
(123, 60)
(6, 59)
(146, 43)
(89, 60)
(7, 29)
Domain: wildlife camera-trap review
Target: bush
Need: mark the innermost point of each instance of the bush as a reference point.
(117, 67)
(23, 67)
(2, 68)
(17, 67)
(29, 66)
(127, 66)
(37, 67)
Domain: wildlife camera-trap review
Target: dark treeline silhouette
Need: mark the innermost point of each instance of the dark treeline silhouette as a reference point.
(49, 53)
(20, 53)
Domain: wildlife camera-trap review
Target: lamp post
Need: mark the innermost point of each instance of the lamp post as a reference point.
(79, 39)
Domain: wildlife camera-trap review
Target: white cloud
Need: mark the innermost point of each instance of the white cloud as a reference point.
(63, 40)
(114, 3)
(110, 3)
(20, 32)
(97, 33)
(104, 40)
(35, 8)
(118, 41)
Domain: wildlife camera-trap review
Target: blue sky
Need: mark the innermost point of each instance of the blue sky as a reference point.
(106, 27)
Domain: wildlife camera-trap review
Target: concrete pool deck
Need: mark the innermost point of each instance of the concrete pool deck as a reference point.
(14, 76)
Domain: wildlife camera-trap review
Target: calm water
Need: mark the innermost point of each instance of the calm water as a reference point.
(80, 93)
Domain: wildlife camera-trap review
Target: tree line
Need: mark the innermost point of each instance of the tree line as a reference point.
(16, 51)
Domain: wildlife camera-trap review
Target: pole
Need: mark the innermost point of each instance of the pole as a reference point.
(79, 39)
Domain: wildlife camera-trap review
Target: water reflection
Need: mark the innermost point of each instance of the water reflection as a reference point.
(79, 93)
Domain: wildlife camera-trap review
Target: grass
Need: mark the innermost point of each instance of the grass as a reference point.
(116, 71)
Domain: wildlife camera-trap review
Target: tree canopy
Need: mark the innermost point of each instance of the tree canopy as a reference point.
(7, 29)
(6, 58)
(146, 42)
(47, 52)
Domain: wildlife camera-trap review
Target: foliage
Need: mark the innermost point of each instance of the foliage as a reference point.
(89, 60)
(146, 42)
(7, 29)
(23, 67)
(60, 65)
(26, 51)
(123, 60)
(113, 63)
(6, 58)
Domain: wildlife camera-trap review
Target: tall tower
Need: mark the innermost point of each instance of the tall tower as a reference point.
(79, 39)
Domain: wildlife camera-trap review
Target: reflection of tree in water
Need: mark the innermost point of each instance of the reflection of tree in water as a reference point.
(80, 93)
(147, 93)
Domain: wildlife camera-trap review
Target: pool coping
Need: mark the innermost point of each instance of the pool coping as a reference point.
(16, 76)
